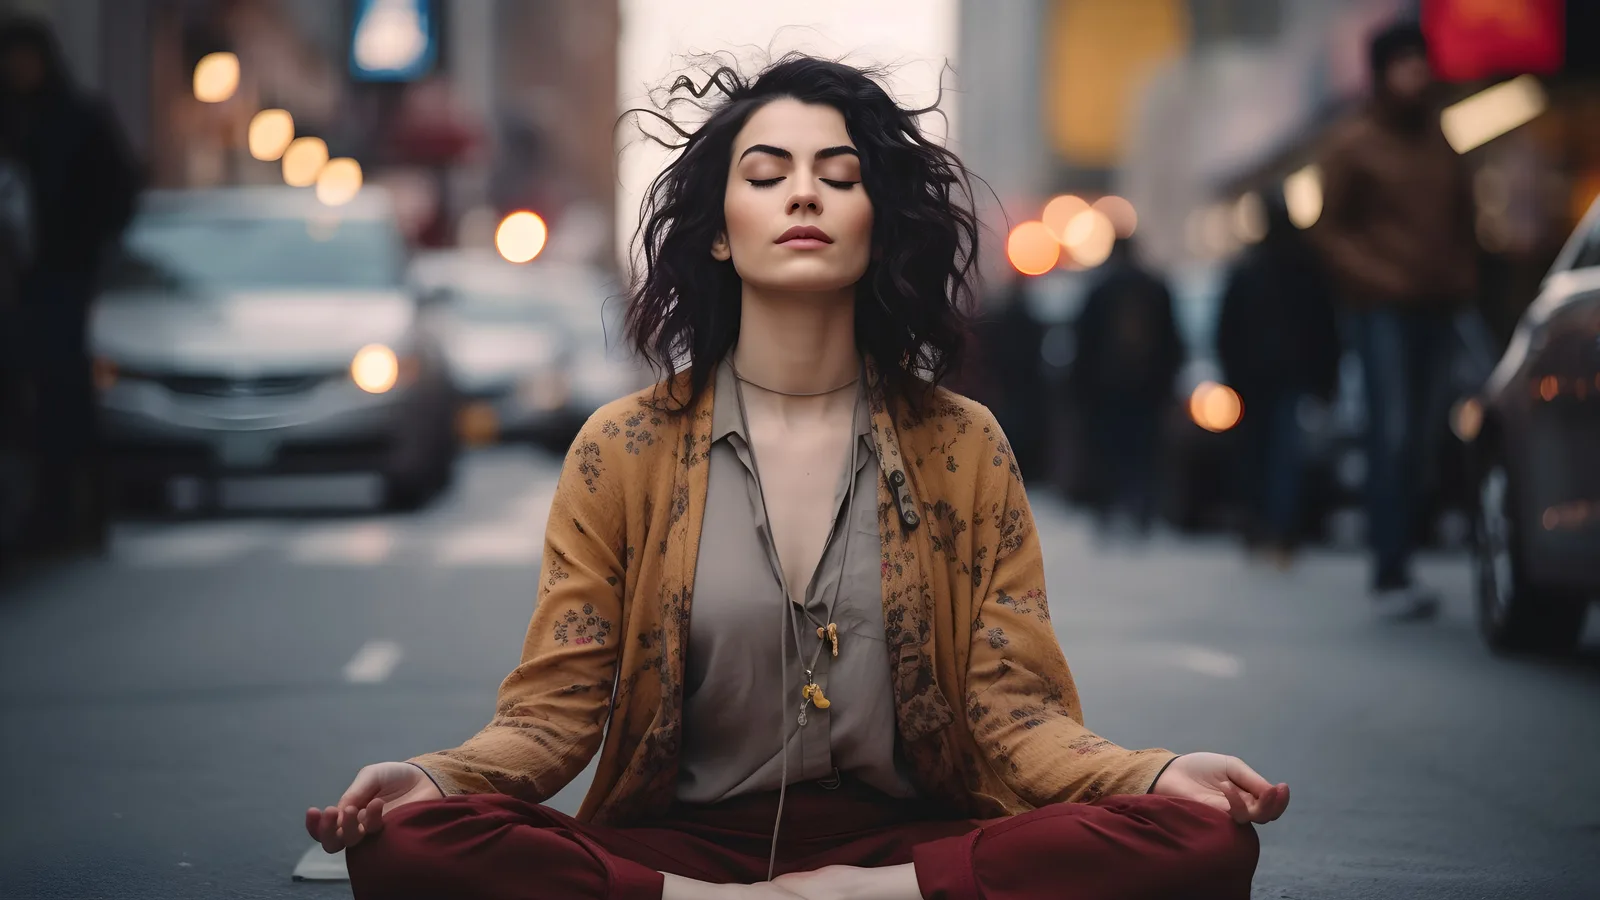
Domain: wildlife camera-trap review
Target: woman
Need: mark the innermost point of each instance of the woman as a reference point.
(868, 697)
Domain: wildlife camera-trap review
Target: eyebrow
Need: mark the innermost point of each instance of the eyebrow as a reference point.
(779, 152)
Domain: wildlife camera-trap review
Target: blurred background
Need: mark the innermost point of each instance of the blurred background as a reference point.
(302, 301)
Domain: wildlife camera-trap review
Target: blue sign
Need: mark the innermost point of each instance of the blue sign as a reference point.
(392, 40)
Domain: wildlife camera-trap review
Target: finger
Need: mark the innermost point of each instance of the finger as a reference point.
(374, 812)
(349, 833)
(1237, 808)
(1282, 801)
(1246, 777)
(328, 832)
(314, 823)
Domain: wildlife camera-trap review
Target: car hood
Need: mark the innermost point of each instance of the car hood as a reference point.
(247, 330)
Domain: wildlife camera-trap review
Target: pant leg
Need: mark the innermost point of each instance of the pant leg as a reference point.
(1136, 847)
(496, 847)
(1385, 374)
(1282, 467)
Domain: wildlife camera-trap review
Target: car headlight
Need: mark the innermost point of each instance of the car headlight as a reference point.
(375, 368)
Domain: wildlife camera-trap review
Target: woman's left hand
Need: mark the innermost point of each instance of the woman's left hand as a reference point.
(1224, 783)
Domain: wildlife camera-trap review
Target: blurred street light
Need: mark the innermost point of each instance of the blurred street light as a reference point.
(1249, 218)
(1124, 218)
(1302, 193)
(339, 181)
(1089, 238)
(271, 130)
(216, 77)
(1059, 212)
(303, 161)
(1484, 116)
(1032, 249)
(1215, 407)
(521, 236)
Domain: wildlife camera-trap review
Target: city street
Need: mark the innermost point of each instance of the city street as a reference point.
(171, 711)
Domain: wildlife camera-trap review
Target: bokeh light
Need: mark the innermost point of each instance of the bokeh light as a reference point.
(271, 130)
(1302, 193)
(1124, 218)
(1215, 407)
(521, 236)
(303, 161)
(1089, 238)
(1059, 213)
(1032, 249)
(339, 181)
(216, 77)
(375, 368)
(1249, 218)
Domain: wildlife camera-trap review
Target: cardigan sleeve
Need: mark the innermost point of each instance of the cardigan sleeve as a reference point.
(552, 708)
(1021, 701)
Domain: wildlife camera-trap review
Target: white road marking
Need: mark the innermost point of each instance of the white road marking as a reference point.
(1202, 660)
(357, 544)
(197, 544)
(504, 543)
(373, 662)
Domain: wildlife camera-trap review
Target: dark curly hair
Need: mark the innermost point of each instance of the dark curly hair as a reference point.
(912, 304)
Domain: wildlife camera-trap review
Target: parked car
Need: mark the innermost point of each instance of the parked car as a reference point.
(253, 331)
(508, 350)
(1534, 433)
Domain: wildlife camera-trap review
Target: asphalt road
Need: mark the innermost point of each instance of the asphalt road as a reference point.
(168, 713)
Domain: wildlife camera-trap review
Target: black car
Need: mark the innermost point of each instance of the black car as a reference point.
(1535, 438)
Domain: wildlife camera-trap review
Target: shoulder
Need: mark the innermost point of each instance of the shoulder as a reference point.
(956, 437)
(629, 436)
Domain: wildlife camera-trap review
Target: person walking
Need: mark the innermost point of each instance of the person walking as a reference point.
(1397, 233)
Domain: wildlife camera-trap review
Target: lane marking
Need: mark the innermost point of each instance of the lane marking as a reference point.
(356, 544)
(192, 545)
(1201, 660)
(373, 662)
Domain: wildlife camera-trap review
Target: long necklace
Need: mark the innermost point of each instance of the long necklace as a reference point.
(763, 387)
(811, 693)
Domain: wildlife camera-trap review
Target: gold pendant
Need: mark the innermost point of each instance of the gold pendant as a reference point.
(813, 694)
(831, 633)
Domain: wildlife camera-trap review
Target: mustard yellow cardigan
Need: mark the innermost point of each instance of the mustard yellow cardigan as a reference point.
(985, 706)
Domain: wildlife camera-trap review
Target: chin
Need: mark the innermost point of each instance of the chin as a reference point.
(795, 280)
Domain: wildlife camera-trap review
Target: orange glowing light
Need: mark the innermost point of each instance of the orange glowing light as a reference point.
(1031, 248)
(521, 236)
(1060, 212)
(1549, 387)
(1124, 218)
(1215, 407)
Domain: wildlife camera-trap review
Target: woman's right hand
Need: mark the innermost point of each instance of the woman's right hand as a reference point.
(379, 787)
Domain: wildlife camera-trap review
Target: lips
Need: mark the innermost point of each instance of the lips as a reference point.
(804, 233)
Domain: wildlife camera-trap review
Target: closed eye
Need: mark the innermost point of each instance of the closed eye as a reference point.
(764, 182)
(841, 185)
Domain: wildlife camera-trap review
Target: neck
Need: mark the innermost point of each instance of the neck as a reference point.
(797, 343)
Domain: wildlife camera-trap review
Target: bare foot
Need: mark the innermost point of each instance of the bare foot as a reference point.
(853, 883)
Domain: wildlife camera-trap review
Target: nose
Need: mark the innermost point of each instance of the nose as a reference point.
(806, 199)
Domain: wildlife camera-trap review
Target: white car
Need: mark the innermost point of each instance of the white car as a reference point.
(253, 331)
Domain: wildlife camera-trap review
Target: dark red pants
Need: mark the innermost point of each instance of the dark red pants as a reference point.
(496, 847)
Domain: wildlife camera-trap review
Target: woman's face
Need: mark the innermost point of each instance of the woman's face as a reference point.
(797, 215)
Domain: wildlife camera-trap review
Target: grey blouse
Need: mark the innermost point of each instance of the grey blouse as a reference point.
(738, 693)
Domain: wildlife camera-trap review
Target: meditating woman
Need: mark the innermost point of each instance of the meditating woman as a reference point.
(793, 594)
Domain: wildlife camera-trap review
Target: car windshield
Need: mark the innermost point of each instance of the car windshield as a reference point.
(187, 251)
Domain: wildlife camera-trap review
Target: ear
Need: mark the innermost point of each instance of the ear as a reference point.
(720, 251)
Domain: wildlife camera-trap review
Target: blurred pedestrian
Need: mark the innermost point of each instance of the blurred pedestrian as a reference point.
(82, 183)
(1278, 343)
(1397, 232)
(1003, 372)
(1128, 354)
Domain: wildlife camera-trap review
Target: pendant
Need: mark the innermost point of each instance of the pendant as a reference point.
(813, 694)
(831, 633)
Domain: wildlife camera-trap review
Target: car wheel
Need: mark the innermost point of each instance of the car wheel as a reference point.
(1514, 614)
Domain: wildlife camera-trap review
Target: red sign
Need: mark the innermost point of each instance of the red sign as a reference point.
(1473, 39)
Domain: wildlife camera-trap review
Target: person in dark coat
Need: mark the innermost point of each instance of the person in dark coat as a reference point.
(1278, 343)
(83, 182)
(1128, 353)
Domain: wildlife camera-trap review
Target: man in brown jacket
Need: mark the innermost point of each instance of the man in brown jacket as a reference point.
(1397, 233)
